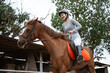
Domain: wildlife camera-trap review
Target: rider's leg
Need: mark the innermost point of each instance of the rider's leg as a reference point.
(77, 42)
(79, 57)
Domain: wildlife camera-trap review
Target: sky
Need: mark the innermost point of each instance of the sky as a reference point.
(40, 8)
(36, 8)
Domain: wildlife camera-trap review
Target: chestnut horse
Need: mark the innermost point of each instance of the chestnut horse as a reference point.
(56, 47)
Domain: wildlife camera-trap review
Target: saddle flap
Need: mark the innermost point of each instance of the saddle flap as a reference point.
(72, 55)
(85, 54)
(70, 51)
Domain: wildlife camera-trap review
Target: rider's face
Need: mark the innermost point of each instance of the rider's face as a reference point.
(63, 16)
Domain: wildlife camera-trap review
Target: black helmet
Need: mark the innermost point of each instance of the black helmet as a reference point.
(63, 11)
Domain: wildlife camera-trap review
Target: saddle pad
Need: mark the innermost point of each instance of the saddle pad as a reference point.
(85, 54)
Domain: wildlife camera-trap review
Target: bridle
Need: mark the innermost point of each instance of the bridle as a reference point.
(32, 32)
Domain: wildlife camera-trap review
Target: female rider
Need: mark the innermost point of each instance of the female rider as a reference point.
(71, 27)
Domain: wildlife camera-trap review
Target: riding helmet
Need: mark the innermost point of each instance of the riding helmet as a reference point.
(63, 11)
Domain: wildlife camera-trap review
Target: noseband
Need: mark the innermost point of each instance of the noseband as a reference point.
(30, 34)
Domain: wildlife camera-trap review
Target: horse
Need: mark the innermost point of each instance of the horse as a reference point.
(56, 46)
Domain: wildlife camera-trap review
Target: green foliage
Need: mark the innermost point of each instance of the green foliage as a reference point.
(11, 19)
(93, 16)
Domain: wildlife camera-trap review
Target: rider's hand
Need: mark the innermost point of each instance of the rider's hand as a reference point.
(71, 31)
(63, 34)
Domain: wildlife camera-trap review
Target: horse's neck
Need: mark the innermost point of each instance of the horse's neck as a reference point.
(55, 47)
(47, 41)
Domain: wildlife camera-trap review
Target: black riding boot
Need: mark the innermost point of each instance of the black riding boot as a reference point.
(79, 57)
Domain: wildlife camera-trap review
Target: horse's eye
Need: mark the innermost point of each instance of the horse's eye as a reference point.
(28, 30)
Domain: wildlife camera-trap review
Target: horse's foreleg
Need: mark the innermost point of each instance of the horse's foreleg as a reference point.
(56, 71)
(62, 69)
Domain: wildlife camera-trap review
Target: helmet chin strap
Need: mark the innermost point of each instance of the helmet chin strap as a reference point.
(66, 18)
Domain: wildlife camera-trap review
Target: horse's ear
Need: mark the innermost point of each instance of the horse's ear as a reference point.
(36, 19)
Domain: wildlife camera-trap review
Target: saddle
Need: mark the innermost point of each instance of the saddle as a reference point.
(72, 51)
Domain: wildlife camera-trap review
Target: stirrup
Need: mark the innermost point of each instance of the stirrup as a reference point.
(80, 61)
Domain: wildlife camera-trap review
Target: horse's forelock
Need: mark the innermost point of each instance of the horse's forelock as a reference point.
(31, 22)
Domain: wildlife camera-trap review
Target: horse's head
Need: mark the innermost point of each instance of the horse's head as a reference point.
(30, 33)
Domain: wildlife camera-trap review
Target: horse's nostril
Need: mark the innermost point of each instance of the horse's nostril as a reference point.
(18, 42)
(21, 42)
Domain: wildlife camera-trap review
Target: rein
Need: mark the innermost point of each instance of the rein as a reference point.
(44, 39)
(33, 32)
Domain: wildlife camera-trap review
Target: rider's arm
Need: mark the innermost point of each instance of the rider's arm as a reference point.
(78, 25)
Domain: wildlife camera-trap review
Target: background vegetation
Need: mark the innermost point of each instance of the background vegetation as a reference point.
(11, 19)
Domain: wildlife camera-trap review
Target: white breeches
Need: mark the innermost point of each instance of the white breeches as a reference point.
(77, 41)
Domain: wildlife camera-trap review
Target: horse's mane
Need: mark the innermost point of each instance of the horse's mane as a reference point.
(51, 32)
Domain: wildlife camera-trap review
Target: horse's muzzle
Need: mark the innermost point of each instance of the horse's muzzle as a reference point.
(22, 43)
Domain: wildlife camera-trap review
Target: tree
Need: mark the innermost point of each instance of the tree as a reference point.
(93, 16)
(11, 19)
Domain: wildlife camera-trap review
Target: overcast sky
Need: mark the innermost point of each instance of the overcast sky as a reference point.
(40, 8)
(36, 8)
